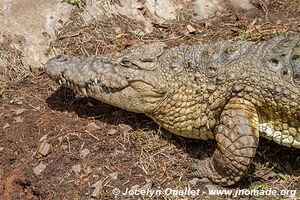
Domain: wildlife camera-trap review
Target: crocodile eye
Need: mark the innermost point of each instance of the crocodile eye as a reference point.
(125, 61)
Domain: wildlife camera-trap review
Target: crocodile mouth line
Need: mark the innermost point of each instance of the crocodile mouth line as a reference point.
(87, 86)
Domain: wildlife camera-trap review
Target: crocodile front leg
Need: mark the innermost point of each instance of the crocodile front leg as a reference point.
(237, 139)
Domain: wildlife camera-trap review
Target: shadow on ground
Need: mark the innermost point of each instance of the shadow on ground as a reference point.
(282, 160)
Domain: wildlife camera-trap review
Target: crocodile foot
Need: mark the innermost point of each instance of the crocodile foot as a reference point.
(237, 139)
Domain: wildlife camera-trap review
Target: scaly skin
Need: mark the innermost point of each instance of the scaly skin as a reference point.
(232, 92)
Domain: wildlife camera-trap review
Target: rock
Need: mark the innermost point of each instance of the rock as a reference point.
(92, 126)
(20, 111)
(194, 181)
(45, 148)
(84, 153)
(18, 119)
(18, 15)
(135, 187)
(96, 192)
(213, 187)
(190, 29)
(76, 168)
(39, 169)
(6, 125)
(125, 128)
(43, 138)
(114, 175)
(97, 189)
(112, 132)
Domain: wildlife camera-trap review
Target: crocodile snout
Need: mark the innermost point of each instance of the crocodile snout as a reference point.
(55, 66)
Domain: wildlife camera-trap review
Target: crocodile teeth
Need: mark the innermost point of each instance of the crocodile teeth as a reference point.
(83, 90)
(59, 81)
(63, 80)
(96, 81)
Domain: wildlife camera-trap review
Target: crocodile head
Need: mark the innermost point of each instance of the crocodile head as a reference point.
(129, 80)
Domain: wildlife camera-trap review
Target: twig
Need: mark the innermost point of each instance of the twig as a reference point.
(92, 135)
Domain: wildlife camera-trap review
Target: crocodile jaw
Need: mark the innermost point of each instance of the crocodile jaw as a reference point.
(104, 79)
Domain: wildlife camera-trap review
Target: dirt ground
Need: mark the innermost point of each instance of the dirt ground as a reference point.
(54, 145)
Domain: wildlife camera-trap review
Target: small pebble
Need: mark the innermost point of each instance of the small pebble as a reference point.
(191, 29)
(97, 184)
(45, 148)
(194, 181)
(84, 153)
(114, 175)
(112, 132)
(43, 138)
(76, 168)
(18, 119)
(92, 126)
(6, 125)
(97, 187)
(96, 192)
(125, 128)
(20, 111)
(39, 169)
(135, 187)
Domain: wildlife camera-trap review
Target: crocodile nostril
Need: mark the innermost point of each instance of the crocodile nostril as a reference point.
(61, 58)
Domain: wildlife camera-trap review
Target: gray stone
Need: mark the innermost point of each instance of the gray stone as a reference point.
(45, 148)
(39, 169)
(190, 29)
(6, 125)
(194, 181)
(97, 189)
(92, 126)
(19, 119)
(20, 111)
(84, 153)
(28, 20)
(112, 132)
(44, 137)
(76, 168)
(125, 128)
(114, 175)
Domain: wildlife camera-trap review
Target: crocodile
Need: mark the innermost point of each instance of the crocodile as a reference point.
(230, 91)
